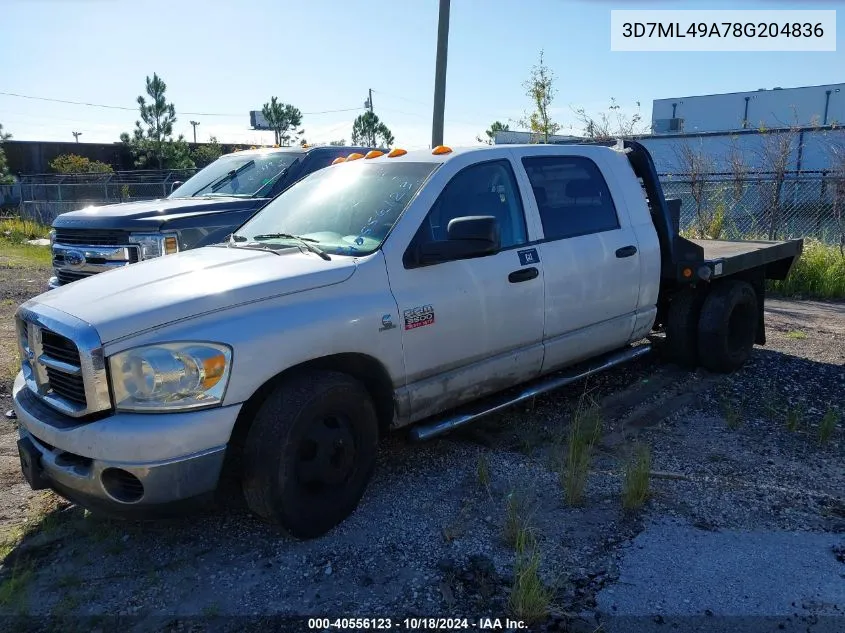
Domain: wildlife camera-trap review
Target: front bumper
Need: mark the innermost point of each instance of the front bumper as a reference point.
(129, 464)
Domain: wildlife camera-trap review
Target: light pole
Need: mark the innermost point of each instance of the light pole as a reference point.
(76, 135)
(195, 124)
(440, 75)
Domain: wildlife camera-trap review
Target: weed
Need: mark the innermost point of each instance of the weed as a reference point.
(517, 519)
(794, 417)
(732, 412)
(482, 471)
(827, 426)
(635, 490)
(796, 334)
(529, 599)
(68, 604)
(584, 432)
(14, 588)
(819, 273)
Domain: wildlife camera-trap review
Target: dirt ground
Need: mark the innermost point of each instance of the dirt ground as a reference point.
(733, 457)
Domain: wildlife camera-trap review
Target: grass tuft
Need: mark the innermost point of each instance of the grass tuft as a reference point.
(574, 460)
(635, 490)
(794, 418)
(482, 471)
(827, 426)
(529, 600)
(798, 335)
(819, 273)
(13, 589)
(517, 519)
(732, 412)
(13, 233)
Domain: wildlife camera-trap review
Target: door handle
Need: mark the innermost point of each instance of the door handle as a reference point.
(523, 274)
(626, 251)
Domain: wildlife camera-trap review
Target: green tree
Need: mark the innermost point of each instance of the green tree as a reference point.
(73, 164)
(207, 153)
(540, 88)
(152, 144)
(339, 143)
(284, 119)
(496, 126)
(368, 130)
(5, 176)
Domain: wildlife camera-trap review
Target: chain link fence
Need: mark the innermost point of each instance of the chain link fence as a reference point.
(765, 206)
(716, 205)
(45, 196)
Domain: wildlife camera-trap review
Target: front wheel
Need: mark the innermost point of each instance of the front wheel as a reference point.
(727, 326)
(310, 452)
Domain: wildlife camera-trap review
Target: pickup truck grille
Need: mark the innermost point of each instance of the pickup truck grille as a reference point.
(73, 260)
(92, 238)
(62, 362)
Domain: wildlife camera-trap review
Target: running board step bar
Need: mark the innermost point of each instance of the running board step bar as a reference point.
(494, 404)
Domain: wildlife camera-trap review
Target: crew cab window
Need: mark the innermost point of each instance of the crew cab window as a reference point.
(572, 196)
(484, 189)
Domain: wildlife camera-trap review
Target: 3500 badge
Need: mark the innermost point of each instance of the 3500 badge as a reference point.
(418, 317)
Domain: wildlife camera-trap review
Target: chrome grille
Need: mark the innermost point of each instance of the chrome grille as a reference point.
(73, 261)
(62, 361)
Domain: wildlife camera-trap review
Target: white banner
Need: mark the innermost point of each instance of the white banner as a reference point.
(723, 30)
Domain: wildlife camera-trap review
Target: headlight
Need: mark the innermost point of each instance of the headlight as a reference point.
(155, 244)
(170, 376)
(52, 236)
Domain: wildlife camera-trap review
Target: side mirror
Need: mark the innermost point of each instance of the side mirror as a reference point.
(468, 237)
(176, 184)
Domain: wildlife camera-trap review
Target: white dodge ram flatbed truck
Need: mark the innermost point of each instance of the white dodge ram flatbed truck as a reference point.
(409, 289)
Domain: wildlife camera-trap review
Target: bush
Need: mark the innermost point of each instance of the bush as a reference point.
(819, 274)
(73, 164)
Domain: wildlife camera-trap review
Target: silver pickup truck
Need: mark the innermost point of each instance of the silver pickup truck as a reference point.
(408, 289)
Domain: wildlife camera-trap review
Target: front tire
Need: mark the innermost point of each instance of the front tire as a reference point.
(310, 452)
(727, 326)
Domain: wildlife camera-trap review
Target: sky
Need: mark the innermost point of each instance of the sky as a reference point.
(221, 59)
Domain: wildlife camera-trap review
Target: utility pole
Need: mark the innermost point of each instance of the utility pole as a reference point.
(440, 75)
(195, 124)
(369, 103)
(76, 135)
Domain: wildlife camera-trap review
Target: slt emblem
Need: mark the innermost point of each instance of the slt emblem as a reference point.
(74, 258)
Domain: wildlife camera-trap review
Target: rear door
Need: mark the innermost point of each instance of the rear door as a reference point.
(590, 256)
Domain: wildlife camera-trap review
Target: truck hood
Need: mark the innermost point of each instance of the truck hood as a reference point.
(154, 293)
(148, 214)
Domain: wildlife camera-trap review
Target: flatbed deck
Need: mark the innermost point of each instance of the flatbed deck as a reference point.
(737, 256)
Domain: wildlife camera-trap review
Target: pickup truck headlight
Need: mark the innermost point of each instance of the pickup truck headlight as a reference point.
(155, 244)
(52, 236)
(170, 376)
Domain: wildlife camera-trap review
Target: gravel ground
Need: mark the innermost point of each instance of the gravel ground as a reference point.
(731, 456)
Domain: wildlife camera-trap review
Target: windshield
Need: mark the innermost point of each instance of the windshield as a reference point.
(346, 209)
(239, 174)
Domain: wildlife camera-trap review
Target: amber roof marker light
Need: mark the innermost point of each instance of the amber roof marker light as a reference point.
(339, 159)
(441, 149)
(374, 153)
(354, 156)
(396, 152)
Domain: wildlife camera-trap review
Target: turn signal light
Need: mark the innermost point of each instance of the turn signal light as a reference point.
(339, 159)
(441, 149)
(170, 245)
(397, 152)
(687, 273)
(354, 156)
(374, 153)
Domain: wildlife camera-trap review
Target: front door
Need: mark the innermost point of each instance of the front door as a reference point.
(472, 326)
